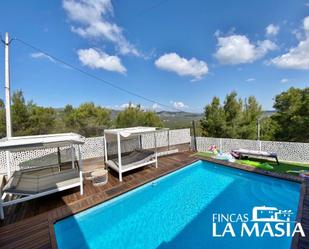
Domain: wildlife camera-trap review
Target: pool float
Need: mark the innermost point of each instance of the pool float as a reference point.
(225, 157)
(214, 149)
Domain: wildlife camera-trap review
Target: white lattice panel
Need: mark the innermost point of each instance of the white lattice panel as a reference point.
(298, 152)
(93, 147)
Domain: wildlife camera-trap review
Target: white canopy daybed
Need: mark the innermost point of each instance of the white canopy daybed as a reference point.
(39, 181)
(135, 158)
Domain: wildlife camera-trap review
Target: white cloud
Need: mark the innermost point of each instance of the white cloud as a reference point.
(217, 33)
(98, 59)
(263, 47)
(156, 106)
(250, 80)
(284, 80)
(306, 24)
(298, 34)
(183, 67)
(179, 104)
(134, 105)
(272, 30)
(126, 105)
(93, 20)
(40, 55)
(297, 57)
(237, 49)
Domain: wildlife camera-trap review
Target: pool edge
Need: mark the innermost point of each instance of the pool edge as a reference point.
(53, 221)
(303, 193)
(251, 169)
(297, 241)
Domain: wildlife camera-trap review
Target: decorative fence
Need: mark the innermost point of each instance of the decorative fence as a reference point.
(93, 147)
(298, 152)
(165, 138)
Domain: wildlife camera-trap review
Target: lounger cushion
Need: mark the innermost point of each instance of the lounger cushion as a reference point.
(24, 183)
(255, 152)
(132, 160)
(134, 157)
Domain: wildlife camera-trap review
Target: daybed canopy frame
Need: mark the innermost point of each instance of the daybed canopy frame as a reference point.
(126, 133)
(16, 144)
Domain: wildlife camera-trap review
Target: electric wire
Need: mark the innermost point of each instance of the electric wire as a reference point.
(59, 60)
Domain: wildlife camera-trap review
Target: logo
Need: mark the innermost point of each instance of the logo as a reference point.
(265, 221)
(270, 214)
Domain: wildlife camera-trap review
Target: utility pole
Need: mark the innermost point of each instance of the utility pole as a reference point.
(194, 135)
(258, 124)
(8, 120)
(258, 129)
(7, 86)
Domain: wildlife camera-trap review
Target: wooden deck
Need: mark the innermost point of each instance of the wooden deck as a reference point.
(29, 224)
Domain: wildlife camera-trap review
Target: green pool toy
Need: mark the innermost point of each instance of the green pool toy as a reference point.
(265, 166)
(297, 171)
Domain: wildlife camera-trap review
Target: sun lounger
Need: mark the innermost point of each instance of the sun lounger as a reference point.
(133, 160)
(27, 186)
(32, 182)
(243, 152)
(40, 179)
(137, 158)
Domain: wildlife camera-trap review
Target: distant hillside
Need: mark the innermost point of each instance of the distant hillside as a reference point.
(184, 119)
(114, 113)
(178, 119)
(268, 113)
(172, 119)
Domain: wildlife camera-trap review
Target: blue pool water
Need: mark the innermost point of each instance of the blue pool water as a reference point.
(176, 211)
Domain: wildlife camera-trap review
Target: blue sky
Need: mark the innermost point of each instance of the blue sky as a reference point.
(180, 53)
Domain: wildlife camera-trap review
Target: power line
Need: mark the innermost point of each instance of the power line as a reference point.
(94, 76)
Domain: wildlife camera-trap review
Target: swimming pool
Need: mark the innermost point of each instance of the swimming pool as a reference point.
(176, 211)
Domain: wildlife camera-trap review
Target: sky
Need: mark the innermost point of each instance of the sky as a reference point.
(178, 53)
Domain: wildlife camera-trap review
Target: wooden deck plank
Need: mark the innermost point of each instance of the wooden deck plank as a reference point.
(28, 224)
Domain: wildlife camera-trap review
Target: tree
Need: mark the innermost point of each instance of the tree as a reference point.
(268, 128)
(249, 117)
(88, 119)
(2, 120)
(65, 122)
(232, 109)
(233, 119)
(20, 115)
(30, 119)
(41, 119)
(135, 116)
(292, 115)
(213, 124)
(150, 118)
